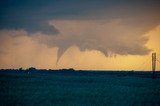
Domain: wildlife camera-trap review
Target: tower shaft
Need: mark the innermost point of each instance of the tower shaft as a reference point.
(153, 64)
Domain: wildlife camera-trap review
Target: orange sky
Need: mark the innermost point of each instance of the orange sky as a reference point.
(24, 51)
(89, 34)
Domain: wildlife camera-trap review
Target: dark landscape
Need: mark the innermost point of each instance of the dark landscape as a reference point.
(63, 87)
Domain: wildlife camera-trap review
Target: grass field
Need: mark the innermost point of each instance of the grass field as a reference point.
(79, 88)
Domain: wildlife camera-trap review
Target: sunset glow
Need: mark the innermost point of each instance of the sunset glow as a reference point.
(104, 36)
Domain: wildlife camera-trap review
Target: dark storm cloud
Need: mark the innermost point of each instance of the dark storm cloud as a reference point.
(33, 15)
(120, 37)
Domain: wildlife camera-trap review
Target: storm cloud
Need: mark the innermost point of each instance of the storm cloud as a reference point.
(108, 37)
(111, 27)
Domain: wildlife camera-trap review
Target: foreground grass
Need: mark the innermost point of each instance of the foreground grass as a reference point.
(78, 89)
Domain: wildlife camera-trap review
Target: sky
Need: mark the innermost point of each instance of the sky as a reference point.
(80, 34)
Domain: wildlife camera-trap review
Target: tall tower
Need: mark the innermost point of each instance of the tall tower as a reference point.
(153, 64)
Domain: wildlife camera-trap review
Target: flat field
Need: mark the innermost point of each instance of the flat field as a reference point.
(84, 88)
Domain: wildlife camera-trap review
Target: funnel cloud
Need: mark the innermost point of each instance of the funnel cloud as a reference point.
(112, 27)
(108, 37)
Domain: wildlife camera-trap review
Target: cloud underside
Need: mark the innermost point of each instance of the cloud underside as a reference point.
(109, 37)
